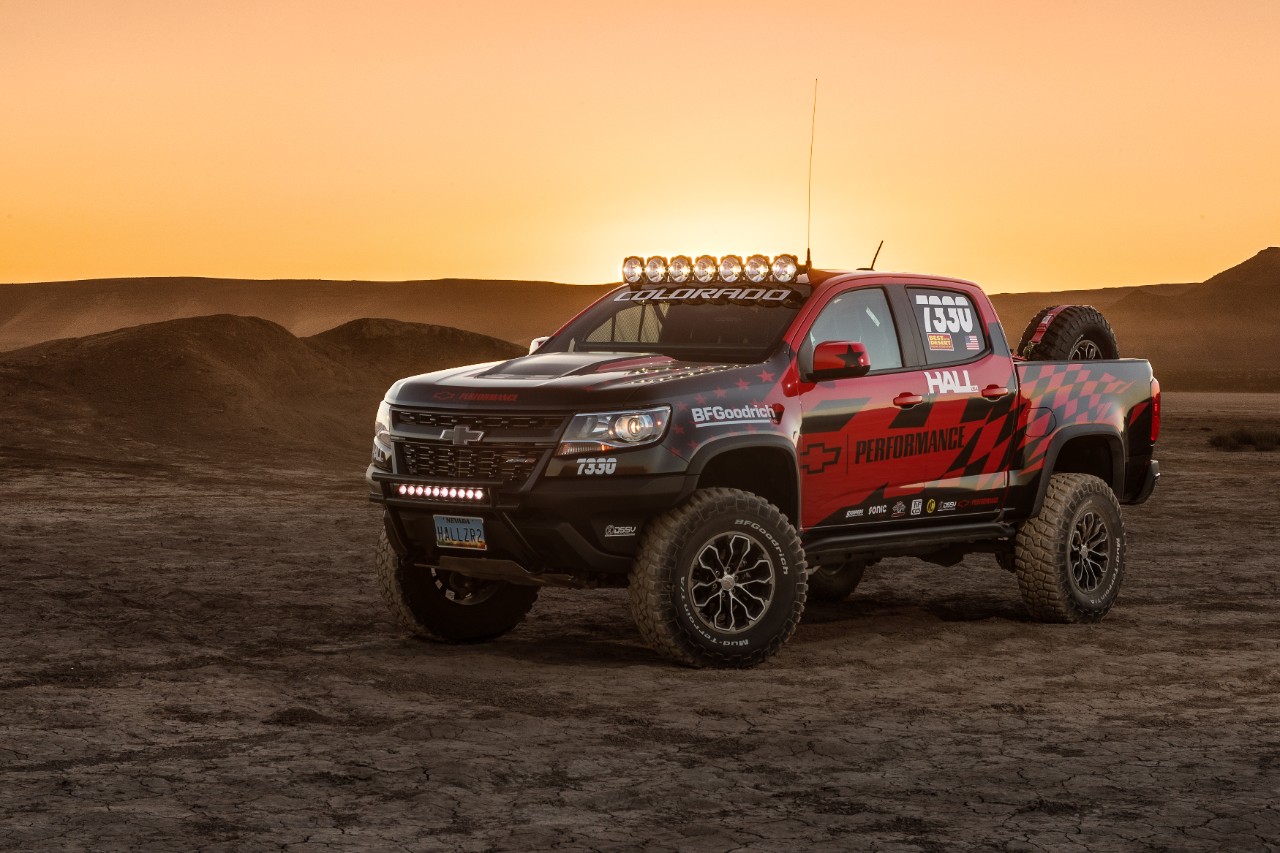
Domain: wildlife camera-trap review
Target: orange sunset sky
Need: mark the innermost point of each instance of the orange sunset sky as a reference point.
(1026, 145)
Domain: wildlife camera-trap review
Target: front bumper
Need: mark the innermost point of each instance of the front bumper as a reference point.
(577, 527)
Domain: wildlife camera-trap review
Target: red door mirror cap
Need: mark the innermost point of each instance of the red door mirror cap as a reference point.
(838, 359)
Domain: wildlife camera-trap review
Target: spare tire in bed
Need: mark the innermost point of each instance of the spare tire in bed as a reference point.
(1068, 333)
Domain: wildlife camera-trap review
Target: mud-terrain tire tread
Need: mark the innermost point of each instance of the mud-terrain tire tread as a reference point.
(391, 569)
(1071, 323)
(839, 585)
(1041, 551)
(649, 589)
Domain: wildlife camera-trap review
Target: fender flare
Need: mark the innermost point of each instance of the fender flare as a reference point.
(1065, 436)
(771, 441)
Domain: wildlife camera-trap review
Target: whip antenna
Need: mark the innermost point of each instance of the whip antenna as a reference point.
(808, 224)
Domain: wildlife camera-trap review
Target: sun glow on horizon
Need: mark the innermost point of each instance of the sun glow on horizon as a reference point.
(1024, 146)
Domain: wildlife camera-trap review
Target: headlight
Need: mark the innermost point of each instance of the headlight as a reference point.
(785, 268)
(632, 270)
(605, 431)
(704, 269)
(757, 269)
(680, 269)
(655, 269)
(730, 268)
(382, 437)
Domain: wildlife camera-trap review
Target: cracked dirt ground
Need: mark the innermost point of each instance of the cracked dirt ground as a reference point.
(195, 658)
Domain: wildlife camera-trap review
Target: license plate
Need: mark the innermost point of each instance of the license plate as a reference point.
(458, 531)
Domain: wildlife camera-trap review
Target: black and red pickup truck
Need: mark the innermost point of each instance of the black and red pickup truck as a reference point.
(726, 438)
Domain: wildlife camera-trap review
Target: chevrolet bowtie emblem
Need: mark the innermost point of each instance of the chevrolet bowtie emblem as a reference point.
(461, 434)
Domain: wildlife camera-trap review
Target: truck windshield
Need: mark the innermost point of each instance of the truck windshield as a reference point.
(718, 329)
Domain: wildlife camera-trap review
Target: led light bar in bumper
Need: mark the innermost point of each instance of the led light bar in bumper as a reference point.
(454, 493)
(730, 269)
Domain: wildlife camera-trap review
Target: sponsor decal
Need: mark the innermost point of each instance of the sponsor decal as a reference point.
(941, 341)
(909, 444)
(688, 294)
(855, 513)
(971, 342)
(932, 505)
(879, 509)
(817, 457)
(476, 397)
(705, 416)
(949, 382)
(620, 530)
(594, 465)
(899, 509)
(945, 313)
(945, 506)
(917, 504)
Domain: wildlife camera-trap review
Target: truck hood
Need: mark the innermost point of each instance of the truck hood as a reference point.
(556, 379)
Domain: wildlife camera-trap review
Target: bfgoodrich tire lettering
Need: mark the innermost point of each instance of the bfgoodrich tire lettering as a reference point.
(719, 581)
(445, 607)
(1069, 560)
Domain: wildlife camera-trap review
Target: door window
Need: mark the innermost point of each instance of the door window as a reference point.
(860, 315)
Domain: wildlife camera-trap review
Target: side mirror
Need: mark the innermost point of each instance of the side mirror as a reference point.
(840, 360)
(536, 343)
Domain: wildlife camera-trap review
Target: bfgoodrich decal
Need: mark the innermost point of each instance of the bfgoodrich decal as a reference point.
(705, 416)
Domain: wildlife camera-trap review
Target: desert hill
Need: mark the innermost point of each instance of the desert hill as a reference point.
(220, 386)
(1218, 335)
(1215, 336)
(510, 310)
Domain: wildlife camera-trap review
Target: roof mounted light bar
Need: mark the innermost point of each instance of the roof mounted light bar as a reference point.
(758, 269)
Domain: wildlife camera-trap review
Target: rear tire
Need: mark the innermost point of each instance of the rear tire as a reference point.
(1069, 560)
(719, 581)
(836, 583)
(1076, 333)
(445, 606)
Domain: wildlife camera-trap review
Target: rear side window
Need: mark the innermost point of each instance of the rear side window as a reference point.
(949, 325)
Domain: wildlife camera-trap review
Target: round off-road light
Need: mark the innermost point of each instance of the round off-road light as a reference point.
(730, 268)
(757, 268)
(655, 269)
(632, 270)
(704, 269)
(785, 268)
(680, 269)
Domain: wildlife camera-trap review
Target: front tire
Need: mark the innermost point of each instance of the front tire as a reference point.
(719, 581)
(1069, 560)
(445, 606)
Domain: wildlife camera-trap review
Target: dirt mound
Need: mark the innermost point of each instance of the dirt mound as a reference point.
(218, 387)
(391, 349)
(512, 310)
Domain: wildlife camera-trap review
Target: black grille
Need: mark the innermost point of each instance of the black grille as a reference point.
(446, 420)
(508, 464)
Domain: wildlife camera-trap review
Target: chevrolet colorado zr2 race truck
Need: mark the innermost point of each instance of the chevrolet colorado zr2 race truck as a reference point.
(726, 438)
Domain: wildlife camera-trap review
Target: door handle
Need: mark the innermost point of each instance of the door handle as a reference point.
(994, 392)
(906, 400)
